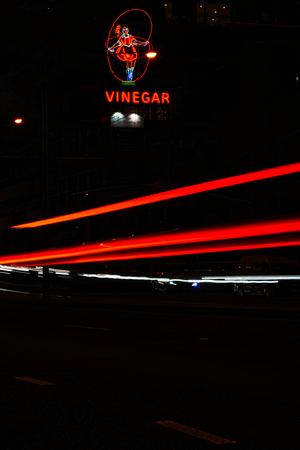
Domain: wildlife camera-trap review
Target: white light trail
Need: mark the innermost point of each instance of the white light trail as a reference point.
(244, 279)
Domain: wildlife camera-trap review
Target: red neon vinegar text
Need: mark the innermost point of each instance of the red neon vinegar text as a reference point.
(137, 97)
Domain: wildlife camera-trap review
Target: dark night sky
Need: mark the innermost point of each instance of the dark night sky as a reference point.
(250, 73)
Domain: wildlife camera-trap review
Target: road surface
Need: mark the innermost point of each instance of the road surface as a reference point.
(78, 374)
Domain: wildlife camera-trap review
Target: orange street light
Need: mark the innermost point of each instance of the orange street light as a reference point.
(151, 54)
(18, 120)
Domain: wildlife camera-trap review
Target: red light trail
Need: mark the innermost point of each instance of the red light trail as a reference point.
(171, 194)
(168, 239)
(169, 251)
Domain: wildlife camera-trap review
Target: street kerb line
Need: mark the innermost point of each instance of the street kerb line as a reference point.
(14, 292)
(87, 328)
(194, 432)
(34, 381)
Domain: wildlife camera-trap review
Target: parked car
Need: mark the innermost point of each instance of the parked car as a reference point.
(267, 275)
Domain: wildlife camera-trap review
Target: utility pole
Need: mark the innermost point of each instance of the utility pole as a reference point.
(45, 176)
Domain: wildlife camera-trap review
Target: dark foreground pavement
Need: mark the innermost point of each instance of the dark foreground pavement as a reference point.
(224, 303)
(134, 370)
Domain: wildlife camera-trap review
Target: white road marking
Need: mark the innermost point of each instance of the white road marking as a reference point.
(194, 432)
(87, 328)
(35, 381)
(14, 292)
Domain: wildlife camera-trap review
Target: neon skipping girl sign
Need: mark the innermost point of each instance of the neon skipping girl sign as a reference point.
(128, 55)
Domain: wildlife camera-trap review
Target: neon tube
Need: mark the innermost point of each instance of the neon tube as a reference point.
(171, 194)
(113, 37)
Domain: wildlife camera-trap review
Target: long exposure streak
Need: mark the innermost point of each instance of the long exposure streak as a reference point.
(168, 251)
(267, 228)
(167, 195)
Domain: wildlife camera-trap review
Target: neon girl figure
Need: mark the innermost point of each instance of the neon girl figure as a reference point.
(126, 50)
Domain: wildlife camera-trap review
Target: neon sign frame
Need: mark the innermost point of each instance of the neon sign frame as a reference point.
(132, 41)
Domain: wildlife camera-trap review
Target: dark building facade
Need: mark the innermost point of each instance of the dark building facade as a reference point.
(231, 72)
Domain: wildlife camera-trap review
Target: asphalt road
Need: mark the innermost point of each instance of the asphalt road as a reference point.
(126, 378)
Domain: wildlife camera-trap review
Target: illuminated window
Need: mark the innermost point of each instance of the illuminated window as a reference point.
(161, 113)
(135, 120)
(213, 13)
(126, 120)
(168, 11)
(117, 119)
